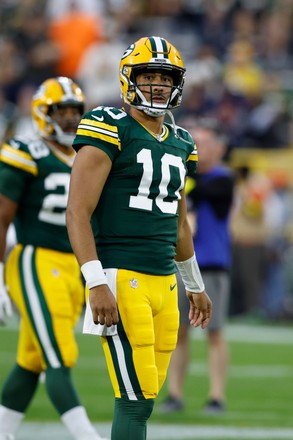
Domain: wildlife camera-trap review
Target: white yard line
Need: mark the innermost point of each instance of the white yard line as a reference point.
(47, 431)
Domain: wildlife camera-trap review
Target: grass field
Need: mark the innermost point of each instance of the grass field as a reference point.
(259, 394)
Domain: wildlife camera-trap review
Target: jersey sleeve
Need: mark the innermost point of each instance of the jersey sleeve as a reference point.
(100, 128)
(192, 162)
(16, 167)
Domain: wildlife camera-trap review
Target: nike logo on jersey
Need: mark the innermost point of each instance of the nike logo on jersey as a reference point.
(101, 118)
(172, 287)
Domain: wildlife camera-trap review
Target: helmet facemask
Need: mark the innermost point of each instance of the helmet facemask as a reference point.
(58, 133)
(151, 107)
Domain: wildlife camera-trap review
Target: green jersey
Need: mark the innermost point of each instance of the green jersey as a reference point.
(135, 222)
(37, 177)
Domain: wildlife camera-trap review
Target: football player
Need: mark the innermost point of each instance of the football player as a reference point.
(41, 273)
(127, 224)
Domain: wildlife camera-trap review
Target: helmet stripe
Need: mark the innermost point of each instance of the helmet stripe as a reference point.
(67, 88)
(159, 47)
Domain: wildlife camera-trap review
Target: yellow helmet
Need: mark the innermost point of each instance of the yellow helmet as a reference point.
(59, 91)
(146, 54)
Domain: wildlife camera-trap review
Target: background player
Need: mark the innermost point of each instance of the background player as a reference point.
(42, 275)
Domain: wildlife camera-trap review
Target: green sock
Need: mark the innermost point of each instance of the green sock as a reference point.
(19, 389)
(130, 419)
(60, 389)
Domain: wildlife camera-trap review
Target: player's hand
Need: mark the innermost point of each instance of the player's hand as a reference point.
(200, 311)
(103, 305)
(5, 302)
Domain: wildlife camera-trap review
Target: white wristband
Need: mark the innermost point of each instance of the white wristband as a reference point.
(93, 273)
(191, 275)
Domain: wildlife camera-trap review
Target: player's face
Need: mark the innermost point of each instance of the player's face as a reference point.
(67, 117)
(156, 86)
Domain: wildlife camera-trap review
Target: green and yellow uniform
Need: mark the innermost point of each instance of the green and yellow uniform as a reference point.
(135, 228)
(143, 187)
(42, 273)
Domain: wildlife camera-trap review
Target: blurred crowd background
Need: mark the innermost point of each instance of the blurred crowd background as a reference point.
(239, 60)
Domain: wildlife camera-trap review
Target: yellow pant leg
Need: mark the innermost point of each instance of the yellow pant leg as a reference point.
(47, 289)
(138, 357)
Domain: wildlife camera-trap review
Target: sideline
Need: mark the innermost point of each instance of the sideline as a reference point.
(48, 431)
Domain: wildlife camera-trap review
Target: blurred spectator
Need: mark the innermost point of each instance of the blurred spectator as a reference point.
(266, 124)
(213, 25)
(197, 103)
(100, 83)
(8, 115)
(256, 211)
(168, 19)
(39, 54)
(203, 67)
(23, 124)
(275, 52)
(56, 9)
(28, 56)
(242, 75)
(12, 68)
(276, 282)
(73, 33)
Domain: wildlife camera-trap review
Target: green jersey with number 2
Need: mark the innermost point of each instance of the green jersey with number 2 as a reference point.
(135, 222)
(37, 178)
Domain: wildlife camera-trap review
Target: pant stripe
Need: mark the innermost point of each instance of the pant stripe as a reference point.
(122, 357)
(37, 309)
(123, 368)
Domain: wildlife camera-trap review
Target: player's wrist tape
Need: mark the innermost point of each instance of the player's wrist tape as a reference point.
(93, 273)
(191, 275)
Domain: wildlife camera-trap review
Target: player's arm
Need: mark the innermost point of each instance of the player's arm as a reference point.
(89, 174)
(184, 248)
(8, 210)
(200, 311)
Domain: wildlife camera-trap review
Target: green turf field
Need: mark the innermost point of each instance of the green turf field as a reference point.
(260, 388)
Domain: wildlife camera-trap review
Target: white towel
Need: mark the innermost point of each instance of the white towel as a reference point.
(89, 327)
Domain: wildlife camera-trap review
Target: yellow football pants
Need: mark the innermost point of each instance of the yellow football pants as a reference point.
(46, 287)
(139, 355)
